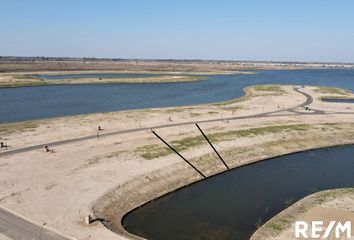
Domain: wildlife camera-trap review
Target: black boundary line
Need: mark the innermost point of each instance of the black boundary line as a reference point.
(211, 145)
(168, 145)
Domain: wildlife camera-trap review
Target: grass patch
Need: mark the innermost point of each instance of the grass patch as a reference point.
(8, 128)
(332, 194)
(336, 97)
(332, 90)
(276, 226)
(257, 131)
(178, 109)
(25, 76)
(156, 150)
(280, 225)
(23, 84)
(234, 108)
(153, 151)
(269, 88)
(272, 90)
(213, 112)
(41, 82)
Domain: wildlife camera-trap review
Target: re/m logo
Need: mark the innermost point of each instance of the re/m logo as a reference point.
(316, 230)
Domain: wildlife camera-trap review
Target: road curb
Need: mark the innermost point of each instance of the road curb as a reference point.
(36, 224)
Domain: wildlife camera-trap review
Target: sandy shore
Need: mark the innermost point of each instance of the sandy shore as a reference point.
(109, 176)
(331, 205)
(28, 79)
(15, 80)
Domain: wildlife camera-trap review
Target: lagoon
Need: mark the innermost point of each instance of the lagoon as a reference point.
(233, 204)
(29, 103)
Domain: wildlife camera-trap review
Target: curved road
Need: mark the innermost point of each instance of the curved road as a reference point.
(19, 228)
(308, 101)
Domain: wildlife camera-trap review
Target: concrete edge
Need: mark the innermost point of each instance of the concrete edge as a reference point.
(131, 206)
(36, 224)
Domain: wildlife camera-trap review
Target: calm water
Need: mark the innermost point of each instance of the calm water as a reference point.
(101, 75)
(19, 104)
(230, 205)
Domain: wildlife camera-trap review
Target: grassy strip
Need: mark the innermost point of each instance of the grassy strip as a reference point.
(161, 79)
(269, 88)
(157, 79)
(156, 150)
(23, 84)
(284, 220)
(332, 90)
(335, 97)
(8, 128)
(157, 72)
(25, 77)
(252, 92)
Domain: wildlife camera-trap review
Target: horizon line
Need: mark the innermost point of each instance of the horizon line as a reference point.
(170, 59)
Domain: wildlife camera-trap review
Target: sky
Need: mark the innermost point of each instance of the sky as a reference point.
(269, 30)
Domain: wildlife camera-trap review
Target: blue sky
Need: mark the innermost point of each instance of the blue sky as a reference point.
(283, 30)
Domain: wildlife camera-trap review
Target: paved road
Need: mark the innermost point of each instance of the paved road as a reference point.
(293, 111)
(18, 229)
(309, 100)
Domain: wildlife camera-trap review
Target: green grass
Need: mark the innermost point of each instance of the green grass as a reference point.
(332, 194)
(332, 90)
(276, 226)
(213, 112)
(23, 84)
(178, 109)
(280, 224)
(157, 150)
(41, 82)
(25, 76)
(283, 221)
(153, 151)
(8, 128)
(270, 89)
(336, 97)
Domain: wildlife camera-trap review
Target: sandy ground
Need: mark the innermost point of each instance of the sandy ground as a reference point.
(83, 177)
(20, 79)
(331, 205)
(26, 79)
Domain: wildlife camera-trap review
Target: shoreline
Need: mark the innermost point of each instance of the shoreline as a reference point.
(282, 222)
(33, 79)
(100, 206)
(247, 94)
(94, 81)
(336, 98)
(136, 166)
